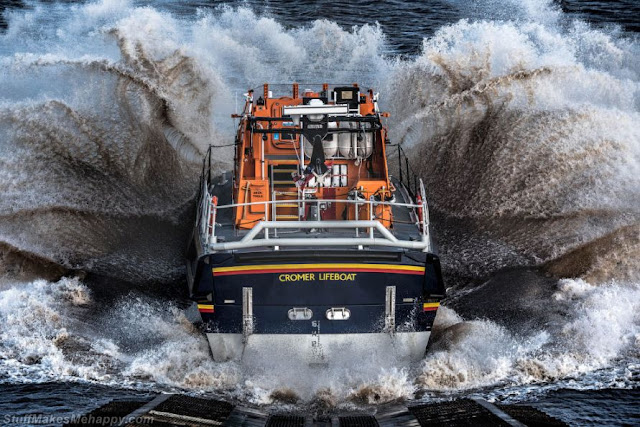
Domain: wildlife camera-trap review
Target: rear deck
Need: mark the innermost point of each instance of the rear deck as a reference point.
(406, 226)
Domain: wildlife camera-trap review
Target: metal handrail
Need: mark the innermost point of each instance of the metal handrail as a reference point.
(387, 239)
(359, 202)
(425, 211)
(207, 223)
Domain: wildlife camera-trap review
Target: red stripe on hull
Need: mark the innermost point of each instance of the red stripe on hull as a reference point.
(430, 309)
(206, 310)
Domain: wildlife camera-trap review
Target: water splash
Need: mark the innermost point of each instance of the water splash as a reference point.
(100, 168)
(528, 131)
(525, 128)
(57, 331)
(601, 327)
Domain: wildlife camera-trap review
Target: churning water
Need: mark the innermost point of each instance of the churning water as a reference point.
(523, 120)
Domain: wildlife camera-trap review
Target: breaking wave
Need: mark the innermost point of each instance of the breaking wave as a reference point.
(524, 127)
(60, 331)
(100, 168)
(529, 133)
(474, 354)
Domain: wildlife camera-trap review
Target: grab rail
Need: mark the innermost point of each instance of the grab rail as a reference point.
(250, 240)
(208, 214)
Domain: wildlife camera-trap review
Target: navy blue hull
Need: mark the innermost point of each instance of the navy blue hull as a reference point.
(317, 281)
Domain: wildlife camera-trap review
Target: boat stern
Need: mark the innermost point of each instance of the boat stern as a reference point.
(317, 309)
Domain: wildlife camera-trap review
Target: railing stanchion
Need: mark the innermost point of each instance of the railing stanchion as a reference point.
(371, 215)
(274, 211)
(400, 161)
(356, 214)
(207, 209)
(406, 163)
(214, 214)
(209, 175)
(266, 210)
(426, 237)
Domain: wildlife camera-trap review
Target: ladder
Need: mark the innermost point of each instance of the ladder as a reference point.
(281, 190)
(285, 211)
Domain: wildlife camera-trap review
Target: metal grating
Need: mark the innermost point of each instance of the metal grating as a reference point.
(207, 409)
(151, 421)
(462, 412)
(285, 421)
(531, 417)
(194, 411)
(358, 421)
(113, 410)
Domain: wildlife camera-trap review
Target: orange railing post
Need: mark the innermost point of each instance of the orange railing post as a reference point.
(212, 218)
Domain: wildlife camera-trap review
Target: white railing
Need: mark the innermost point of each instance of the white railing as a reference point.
(425, 213)
(208, 210)
(207, 215)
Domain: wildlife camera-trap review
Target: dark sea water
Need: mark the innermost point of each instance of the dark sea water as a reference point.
(522, 117)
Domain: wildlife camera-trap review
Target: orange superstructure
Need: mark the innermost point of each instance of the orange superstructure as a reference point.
(304, 155)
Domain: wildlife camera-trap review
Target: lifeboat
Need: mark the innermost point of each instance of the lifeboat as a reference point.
(311, 245)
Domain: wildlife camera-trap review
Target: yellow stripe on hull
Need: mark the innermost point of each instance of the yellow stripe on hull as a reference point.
(430, 306)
